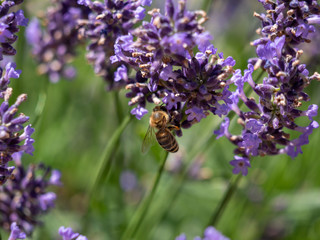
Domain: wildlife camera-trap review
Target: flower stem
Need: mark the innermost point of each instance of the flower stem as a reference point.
(175, 188)
(42, 99)
(118, 105)
(105, 165)
(131, 231)
(224, 201)
(106, 157)
(207, 6)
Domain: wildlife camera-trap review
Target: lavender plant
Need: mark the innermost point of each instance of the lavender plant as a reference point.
(281, 94)
(11, 124)
(54, 47)
(25, 198)
(107, 22)
(9, 25)
(175, 64)
(169, 61)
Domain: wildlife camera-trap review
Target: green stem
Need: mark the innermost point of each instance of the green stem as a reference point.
(42, 99)
(224, 201)
(118, 105)
(207, 6)
(131, 231)
(105, 165)
(106, 157)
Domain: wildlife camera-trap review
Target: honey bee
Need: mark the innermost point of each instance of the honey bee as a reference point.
(160, 120)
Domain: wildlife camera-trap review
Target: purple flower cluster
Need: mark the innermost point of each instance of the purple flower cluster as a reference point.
(11, 125)
(293, 19)
(107, 21)
(68, 234)
(209, 234)
(10, 133)
(55, 46)
(174, 63)
(25, 197)
(9, 26)
(279, 97)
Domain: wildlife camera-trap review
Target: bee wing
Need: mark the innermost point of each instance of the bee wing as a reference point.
(149, 139)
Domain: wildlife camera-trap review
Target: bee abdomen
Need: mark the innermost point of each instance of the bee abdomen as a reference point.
(167, 141)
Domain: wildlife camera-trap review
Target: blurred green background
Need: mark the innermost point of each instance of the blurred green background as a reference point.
(279, 199)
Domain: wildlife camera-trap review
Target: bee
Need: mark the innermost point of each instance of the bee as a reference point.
(160, 120)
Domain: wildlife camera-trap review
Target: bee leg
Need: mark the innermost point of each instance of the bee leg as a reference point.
(173, 127)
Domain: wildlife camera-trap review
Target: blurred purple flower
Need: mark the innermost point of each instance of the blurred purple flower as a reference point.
(107, 22)
(16, 233)
(54, 47)
(210, 233)
(68, 234)
(25, 197)
(128, 180)
(181, 237)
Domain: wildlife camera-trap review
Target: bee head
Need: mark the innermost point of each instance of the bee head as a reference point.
(159, 108)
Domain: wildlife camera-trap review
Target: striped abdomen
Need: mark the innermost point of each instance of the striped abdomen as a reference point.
(167, 141)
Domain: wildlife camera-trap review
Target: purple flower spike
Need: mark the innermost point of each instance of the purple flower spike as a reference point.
(9, 26)
(25, 197)
(16, 233)
(173, 62)
(106, 23)
(240, 164)
(12, 140)
(54, 46)
(280, 93)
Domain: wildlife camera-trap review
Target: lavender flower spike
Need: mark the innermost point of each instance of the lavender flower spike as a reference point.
(107, 22)
(9, 26)
(173, 62)
(54, 47)
(68, 234)
(24, 198)
(281, 93)
(10, 133)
